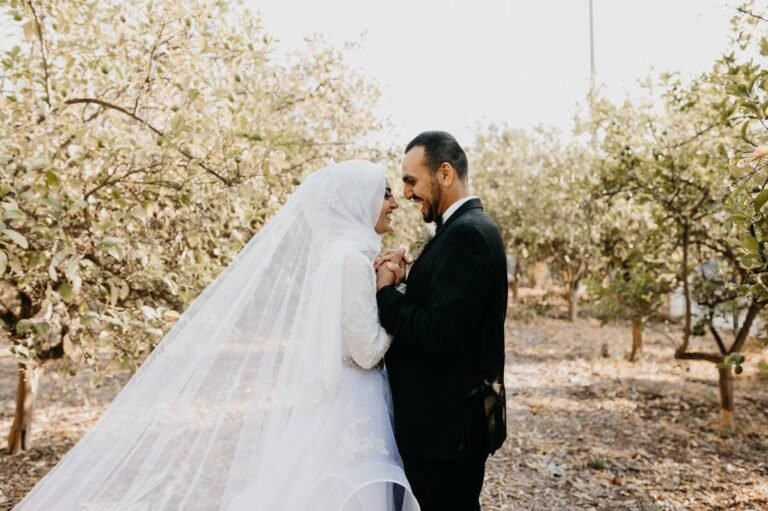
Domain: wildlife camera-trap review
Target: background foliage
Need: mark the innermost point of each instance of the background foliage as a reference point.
(143, 144)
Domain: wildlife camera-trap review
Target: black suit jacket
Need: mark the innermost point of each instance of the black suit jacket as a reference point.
(446, 362)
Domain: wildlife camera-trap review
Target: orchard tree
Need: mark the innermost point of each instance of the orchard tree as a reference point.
(537, 189)
(746, 76)
(636, 269)
(564, 221)
(505, 164)
(671, 155)
(141, 145)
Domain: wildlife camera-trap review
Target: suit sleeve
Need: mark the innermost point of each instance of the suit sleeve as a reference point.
(458, 287)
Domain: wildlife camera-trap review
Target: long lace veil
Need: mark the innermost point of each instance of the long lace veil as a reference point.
(187, 430)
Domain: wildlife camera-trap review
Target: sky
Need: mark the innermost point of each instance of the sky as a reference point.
(453, 64)
(450, 65)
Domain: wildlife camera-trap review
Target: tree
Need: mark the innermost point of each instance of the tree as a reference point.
(504, 165)
(636, 267)
(538, 191)
(747, 223)
(671, 155)
(142, 145)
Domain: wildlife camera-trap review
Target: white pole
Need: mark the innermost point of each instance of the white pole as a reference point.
(592, 43)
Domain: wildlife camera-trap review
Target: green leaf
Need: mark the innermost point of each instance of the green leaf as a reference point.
(751, 244)
(51, 203)
(742, 91)
(749, 105)
(177, 124)
(253, 137)
(30, 30)
(17, 238)
(24, 326)
(51, 179)
(763, 46)
(13, 214)
(741, 220)
(42, 328)
(750, 262)
(66, 291)
(760, 200)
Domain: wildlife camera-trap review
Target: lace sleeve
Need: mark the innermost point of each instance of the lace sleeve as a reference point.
(364, 338)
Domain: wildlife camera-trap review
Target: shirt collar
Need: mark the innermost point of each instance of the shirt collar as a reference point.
(456, 205)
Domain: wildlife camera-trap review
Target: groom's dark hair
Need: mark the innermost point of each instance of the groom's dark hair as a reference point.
(440, 147)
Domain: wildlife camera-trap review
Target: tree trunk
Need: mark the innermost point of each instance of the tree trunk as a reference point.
(19, 438)
(573, 300)
(515, 285)
(637, 339)
(686, 291)
(726, 397)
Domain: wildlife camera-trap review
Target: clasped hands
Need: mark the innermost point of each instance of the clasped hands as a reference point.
(391, 266)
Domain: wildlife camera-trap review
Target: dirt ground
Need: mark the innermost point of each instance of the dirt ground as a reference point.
(587, 428)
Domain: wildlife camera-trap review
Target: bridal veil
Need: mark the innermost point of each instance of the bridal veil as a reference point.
(226, 406)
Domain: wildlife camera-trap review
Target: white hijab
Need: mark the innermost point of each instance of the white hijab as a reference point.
(261, 340)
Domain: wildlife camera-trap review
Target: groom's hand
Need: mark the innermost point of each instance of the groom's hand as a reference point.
(389, 274)
(396, 255)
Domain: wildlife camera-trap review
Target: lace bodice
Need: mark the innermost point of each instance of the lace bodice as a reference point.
(365, 341)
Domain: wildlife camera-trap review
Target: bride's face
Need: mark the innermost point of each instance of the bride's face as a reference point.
(384, 224)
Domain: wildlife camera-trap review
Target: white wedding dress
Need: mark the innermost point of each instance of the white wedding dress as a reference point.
(354, 448)
(265, 395)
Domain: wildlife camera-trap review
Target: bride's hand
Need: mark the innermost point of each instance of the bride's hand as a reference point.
(389, 274)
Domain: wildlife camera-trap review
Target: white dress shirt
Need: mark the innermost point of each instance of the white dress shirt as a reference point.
(456, 205)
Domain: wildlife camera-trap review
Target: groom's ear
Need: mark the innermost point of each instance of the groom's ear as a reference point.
(446, 174)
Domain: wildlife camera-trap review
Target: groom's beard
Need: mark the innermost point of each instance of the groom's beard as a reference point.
(433, 206)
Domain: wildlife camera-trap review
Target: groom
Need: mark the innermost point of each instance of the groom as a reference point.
(446, 363)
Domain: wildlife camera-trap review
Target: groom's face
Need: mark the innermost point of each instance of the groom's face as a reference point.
(421, 185)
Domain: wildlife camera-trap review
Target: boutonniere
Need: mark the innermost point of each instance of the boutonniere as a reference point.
(426, 236)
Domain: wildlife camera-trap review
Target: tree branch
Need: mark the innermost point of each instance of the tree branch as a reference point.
(297, 166)
(707, 357)
(750, 13)
(112, 106)
(146, 123)
(754, 308)
(717, 337)
(148, 77)
(691, 139)
(43, 52)
(110, 181)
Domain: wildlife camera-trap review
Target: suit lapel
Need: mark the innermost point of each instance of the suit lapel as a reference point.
(470, 204)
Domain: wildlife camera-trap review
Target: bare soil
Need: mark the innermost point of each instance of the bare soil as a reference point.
(587, 428)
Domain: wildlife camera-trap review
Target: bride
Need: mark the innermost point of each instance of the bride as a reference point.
(266, 393)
